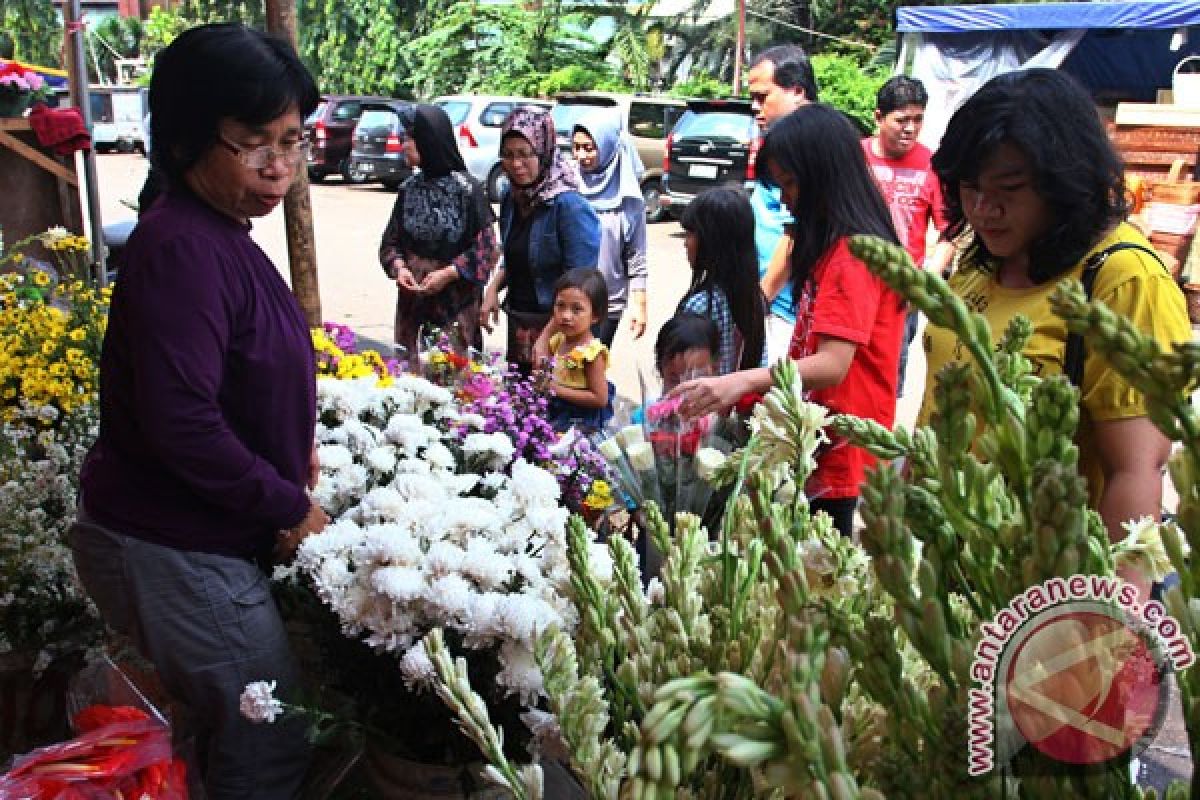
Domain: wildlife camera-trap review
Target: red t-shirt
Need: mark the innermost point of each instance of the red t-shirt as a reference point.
(913, 193)
(843, 300)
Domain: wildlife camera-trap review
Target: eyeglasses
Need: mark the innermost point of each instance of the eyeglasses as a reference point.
(526, 156)
(263, 157)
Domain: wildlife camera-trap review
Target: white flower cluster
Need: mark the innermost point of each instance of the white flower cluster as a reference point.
(419, 540)
(258, 702)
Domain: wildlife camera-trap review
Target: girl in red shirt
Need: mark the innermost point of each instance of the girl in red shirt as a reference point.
(849, 324)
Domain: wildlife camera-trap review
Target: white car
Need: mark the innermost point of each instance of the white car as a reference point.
(477, 119)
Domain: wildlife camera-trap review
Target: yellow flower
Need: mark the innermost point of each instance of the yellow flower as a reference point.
(599, 496)
(41, 279)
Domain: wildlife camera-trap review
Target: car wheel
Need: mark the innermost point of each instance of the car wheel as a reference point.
(652, 196)
(352, 176)
(315, 175)
(497, 183)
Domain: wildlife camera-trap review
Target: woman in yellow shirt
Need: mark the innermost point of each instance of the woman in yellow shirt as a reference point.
(1026, 163)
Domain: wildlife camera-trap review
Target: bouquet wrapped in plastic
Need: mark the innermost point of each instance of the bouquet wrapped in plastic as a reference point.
(122, 749)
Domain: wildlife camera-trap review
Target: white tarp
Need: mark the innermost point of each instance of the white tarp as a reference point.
(954, 66)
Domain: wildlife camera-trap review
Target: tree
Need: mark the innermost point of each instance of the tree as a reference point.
(113, 38)
(352, 46)
(34, 31)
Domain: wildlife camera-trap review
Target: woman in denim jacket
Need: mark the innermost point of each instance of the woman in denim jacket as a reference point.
(547, 228)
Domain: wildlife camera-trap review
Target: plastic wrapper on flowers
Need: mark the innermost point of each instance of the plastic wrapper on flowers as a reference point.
(123, 749)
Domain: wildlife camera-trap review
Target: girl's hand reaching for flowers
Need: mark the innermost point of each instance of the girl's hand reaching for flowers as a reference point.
(706, 395)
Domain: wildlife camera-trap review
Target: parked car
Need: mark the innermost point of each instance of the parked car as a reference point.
(330, 129)
(477, 120)
(377, 153)
(714, 143)
(647, 118)
(118, 114)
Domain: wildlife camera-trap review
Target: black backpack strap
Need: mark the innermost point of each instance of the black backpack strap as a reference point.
(1076, 352)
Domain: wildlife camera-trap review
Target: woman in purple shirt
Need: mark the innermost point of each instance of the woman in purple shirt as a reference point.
(207, 407)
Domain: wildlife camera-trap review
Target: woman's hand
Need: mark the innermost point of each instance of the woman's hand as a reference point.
(287, 541)
(489, 310)
(404, 277)
(706, 395)
(637, 314)
(438, 280)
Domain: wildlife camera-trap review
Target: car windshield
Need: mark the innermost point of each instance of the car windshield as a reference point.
(567, 114)
(718, 124)
(378, 118)
(316, 114)
(456, 110)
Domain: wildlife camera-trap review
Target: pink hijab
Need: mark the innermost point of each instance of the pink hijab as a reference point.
(556, 173)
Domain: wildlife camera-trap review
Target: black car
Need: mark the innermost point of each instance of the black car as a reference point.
(377, 153)
(714, 143)
(330, 128)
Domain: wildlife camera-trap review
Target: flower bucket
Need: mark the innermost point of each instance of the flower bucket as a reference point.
(14, 105)
(1185, 86)
(394, 777)
(33, 711)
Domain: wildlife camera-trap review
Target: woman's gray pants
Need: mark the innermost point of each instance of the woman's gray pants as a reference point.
(210, 626)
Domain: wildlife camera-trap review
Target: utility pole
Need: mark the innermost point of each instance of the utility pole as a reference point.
(77, 76)
(741, 48)
(297, 205)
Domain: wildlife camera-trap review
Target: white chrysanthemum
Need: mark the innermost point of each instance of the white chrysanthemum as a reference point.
(532, 486)
(407, 432)
(708, 461)
(473, 421)
(520, 673)
(525, 616)
(334, 456)
(548, 520)
(494, 449)
(358, 437)
(449, 597)
(381, 460)
(484, 565)
(416, 668)
(390, 543)
(412, 466)
(600, 561)
(401, 584)
(443, 558)
(494, 480)
(258, 702)
(484, 620)
(411, 487)
(384, 503)
(439, 456)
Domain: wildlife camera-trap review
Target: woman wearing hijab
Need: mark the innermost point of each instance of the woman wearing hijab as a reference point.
(611, 171)
(439, 246)
(547, 228)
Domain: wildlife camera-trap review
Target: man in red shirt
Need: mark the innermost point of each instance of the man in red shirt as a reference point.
(902, 169)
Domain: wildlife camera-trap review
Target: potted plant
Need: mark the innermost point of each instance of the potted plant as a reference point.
(19, 88)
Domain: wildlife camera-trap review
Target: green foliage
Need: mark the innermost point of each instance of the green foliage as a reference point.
(113, 38)
(493, 48)
(161, 27)
(700, 86)
(577, 78)
(352, 46)
(843, 82)
(33, 31)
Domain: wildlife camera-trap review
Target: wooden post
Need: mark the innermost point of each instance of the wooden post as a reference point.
(741, 48)
(77, 77)
(297, 205)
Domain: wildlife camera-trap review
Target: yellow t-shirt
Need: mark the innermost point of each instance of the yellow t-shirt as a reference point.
(570, 368)
(1130, 282)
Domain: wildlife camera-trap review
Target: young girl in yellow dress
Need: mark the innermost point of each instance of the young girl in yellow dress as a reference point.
(582, 394)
